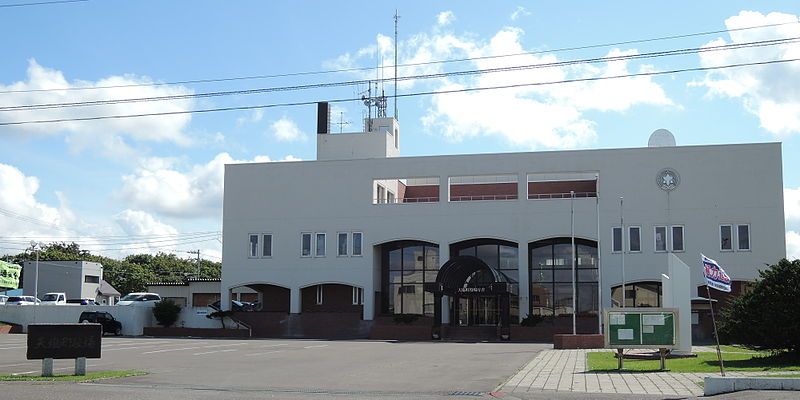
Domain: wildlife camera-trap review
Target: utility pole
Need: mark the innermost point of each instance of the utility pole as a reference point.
(197, 253)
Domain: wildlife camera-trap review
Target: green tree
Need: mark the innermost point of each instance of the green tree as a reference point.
(767, 317)
(166, 312)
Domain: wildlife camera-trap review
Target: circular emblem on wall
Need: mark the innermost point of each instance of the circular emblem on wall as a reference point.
(668, 179)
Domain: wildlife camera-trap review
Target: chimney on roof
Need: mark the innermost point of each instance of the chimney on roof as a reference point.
(323, 118)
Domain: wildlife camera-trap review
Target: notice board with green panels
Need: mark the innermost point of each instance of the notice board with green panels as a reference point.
(641, 327)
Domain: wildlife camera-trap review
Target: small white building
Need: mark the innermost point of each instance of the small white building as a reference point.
(78, 279)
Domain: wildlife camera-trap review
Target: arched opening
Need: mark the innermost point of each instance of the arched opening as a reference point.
(637, 294)
(551, 281)
(499, 255)
(406, 266)
(332, 298)
(264, 297)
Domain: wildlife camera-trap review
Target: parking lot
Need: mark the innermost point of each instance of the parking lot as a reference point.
(292, 366)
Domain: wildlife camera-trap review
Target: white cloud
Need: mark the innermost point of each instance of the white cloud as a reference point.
(549, 116)
(445, 18)
(770, 92)
(791, 207)
(286, 130)
(140, 224)
(519, 12)
(255, 116)
(22, 213)
(792, 245)
(167, 186)
(106, 135)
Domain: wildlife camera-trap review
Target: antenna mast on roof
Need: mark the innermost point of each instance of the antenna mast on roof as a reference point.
(396, 18)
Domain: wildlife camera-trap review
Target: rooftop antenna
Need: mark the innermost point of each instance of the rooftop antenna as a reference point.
(396, 18)
(341, 122)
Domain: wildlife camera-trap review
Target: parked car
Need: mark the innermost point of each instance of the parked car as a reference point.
(3, 299)
(238, 306)
(54, 299)
(82, 302)
(22, 300)
(139, 299)
(110, 325)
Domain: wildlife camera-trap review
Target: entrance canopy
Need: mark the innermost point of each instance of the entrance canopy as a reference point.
(452, 279)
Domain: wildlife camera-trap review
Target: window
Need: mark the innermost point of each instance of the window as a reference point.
(91, 279)
(743, 234)
(305, 245)
(266, 248)
(634, 239)
(320, 245)
(616, 239)
(725, 237)
(660, 238)
(358, 296)
(381, 194)
(253, 252)
(342, 244)
(677, 238)
(357, 243)
(319, 294)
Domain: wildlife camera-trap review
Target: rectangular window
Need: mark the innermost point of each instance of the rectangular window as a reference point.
(342, 244)
(319, 294)
(266, 248)
(725, 237)
(743, 234)
(677, 238)
(91, 279)
(357, 237)
(660, 238)
(634, 239)
(305, 245)
(253, 252)
(616, 239)
(358, 296)
(320, 245)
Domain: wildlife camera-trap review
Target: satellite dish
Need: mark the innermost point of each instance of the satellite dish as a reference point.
(661, 138)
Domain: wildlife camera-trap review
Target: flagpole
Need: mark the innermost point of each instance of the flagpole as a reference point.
(599, 271)
(622, 249)
(716, 335)
(572, 234)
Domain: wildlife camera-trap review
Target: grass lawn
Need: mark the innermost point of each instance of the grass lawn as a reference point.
(704, 362)
(90, 376)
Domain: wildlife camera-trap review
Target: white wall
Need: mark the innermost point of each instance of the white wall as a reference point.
(132, 318)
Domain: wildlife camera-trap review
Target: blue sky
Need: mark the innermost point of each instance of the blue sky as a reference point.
(151, 182)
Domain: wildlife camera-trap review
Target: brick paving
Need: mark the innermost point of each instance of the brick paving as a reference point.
(566, 370)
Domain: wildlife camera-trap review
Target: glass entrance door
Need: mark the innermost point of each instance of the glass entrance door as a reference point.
(484, 311)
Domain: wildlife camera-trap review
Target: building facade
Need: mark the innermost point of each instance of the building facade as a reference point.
(363, 230)
(77, 279)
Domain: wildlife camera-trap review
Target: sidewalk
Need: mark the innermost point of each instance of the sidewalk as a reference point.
(566, 370)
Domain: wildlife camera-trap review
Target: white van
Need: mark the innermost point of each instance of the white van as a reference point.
(51, 299)
(139, 299)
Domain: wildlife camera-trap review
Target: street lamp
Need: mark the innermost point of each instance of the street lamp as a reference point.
(35, 247)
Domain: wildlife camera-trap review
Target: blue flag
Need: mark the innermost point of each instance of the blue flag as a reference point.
(715, 276)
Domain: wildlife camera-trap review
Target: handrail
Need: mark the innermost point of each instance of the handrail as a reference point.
(484, 197)
(578, 195)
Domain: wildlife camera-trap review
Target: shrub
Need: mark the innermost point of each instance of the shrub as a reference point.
(767, 317)
(532, 320)
(166, 312)
(405, 318)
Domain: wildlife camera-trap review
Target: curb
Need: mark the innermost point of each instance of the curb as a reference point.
(716, 385)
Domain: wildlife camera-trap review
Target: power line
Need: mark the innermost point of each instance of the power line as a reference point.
(357, 69)
(665, 53)
(89, 242)
(416, 94)
(41, 3)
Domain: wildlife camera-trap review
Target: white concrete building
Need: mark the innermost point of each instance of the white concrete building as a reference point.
(78, 279)
(364, 230)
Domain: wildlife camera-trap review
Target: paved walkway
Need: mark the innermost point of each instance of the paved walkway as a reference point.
(566, 370)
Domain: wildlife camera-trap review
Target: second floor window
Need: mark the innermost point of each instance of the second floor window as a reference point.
(320, 245)
(725, 237)
(342, 244)
(616, 239)
(743, 234)
(634, 239)
(677, 238)
(266, 245)
(305, 245)
(253, 248)
(357, 237)
(660, 238)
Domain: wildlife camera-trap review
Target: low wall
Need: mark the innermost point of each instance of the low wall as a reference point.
(196, 332)
(132, 318)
